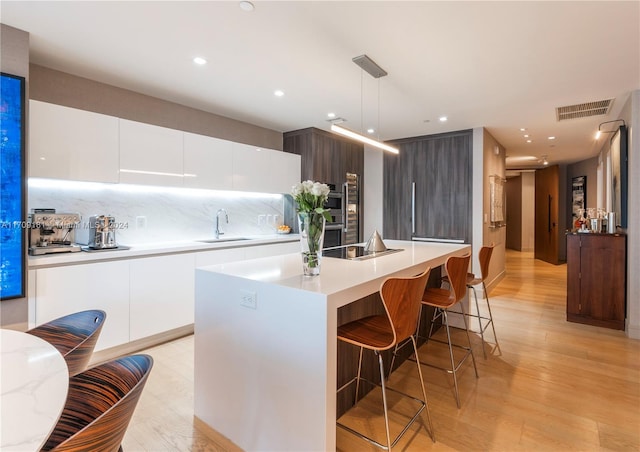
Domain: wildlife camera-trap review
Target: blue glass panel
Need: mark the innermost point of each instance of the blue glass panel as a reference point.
(12, 256)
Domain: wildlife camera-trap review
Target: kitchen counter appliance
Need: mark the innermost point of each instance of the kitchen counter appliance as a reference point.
(343, 205)
(102, 232)
(51, 232)
(355, 252)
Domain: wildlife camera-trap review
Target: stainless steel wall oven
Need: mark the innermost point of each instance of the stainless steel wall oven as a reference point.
(344, 208)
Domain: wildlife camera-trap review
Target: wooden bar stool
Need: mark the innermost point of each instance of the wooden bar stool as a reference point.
(472, 281)
(401, 298)
(442, 300)
(484, 258)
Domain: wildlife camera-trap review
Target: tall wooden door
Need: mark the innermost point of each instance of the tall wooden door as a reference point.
(547, 215)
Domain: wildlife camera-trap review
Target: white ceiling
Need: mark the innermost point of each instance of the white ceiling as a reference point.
(501, 65)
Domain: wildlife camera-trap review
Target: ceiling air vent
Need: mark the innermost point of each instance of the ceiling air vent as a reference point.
(600, 107)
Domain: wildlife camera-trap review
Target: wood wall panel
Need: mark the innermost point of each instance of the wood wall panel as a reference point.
(440, 167)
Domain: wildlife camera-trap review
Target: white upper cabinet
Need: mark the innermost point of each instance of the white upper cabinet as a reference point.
(264, 170)
(150, 155)
(67, 143)
(207, 162)
(250, 168)
(285, 171)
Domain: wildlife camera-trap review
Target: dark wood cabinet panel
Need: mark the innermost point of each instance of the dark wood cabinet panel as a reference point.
(596, 279)
(325, 157)
(434, 171)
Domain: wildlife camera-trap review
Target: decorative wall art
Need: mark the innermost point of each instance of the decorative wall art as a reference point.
(498, 205)
(578, 197)
(619, 176)
(12, 188)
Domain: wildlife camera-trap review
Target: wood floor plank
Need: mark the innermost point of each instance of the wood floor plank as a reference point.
(552, 386)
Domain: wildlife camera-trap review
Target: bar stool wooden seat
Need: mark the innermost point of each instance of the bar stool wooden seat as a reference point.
(74, 336)
(100, 404)
(401, 298)
(442, 300)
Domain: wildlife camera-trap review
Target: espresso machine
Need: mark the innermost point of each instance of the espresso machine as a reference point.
(102, 232)
(51, 232)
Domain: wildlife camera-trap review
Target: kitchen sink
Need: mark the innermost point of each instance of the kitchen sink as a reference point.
(225, 239)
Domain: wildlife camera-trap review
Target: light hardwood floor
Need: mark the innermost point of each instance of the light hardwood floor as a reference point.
(552, 386)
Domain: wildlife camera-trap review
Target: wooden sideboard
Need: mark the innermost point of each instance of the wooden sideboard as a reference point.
(596, 279)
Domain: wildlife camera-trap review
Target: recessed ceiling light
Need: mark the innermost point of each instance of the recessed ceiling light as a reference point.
(552, 138)
(331, 115)
(522, 129)
(246, 6)
(200, 61)
(370, 130)
(278, 93)
(528, 141)
(526, 136)
(443, 118)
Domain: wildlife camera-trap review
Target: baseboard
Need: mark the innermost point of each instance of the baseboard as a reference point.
(108, 354)
(494, 282)
(632, 331)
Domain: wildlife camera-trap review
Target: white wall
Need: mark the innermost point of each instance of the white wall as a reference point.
(633, 229)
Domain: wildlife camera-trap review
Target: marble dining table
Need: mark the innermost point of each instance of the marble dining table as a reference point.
(34, 381)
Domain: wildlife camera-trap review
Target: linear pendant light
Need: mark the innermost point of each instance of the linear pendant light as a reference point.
(363, 139)
(370, 66)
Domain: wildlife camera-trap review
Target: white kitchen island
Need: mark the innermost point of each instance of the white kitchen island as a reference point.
(265, 342)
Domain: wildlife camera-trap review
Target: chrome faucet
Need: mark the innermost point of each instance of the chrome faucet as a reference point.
(226, 216)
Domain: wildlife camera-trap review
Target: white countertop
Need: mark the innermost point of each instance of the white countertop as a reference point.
(340, 276)
(34, 381)
(150, 249)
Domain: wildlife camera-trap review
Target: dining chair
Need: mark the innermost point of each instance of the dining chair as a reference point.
(401, 298)
(74, 336)
(100, 403)
(442, 300)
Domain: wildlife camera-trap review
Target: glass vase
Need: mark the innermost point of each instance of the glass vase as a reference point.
(311, 227)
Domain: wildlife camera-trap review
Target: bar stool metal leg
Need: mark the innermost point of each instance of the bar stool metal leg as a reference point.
(475, 295)
(486, 295)
(384, 400)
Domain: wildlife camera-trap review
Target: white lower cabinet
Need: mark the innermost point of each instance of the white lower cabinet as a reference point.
(105, 285)
(273, 249)
(141, 296)
(223, 256)
(161, 294)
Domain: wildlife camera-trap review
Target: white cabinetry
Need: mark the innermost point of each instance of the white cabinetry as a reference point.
(250, 168)
(150, 154)
(285, 171)
(264, 170)
(223, 256)
(142, 296)
(274, 249)
(67, 143)
(161, 294)
(64, 290)
(207, 162)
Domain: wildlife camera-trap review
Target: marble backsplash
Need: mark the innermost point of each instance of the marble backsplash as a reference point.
(156, 214)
